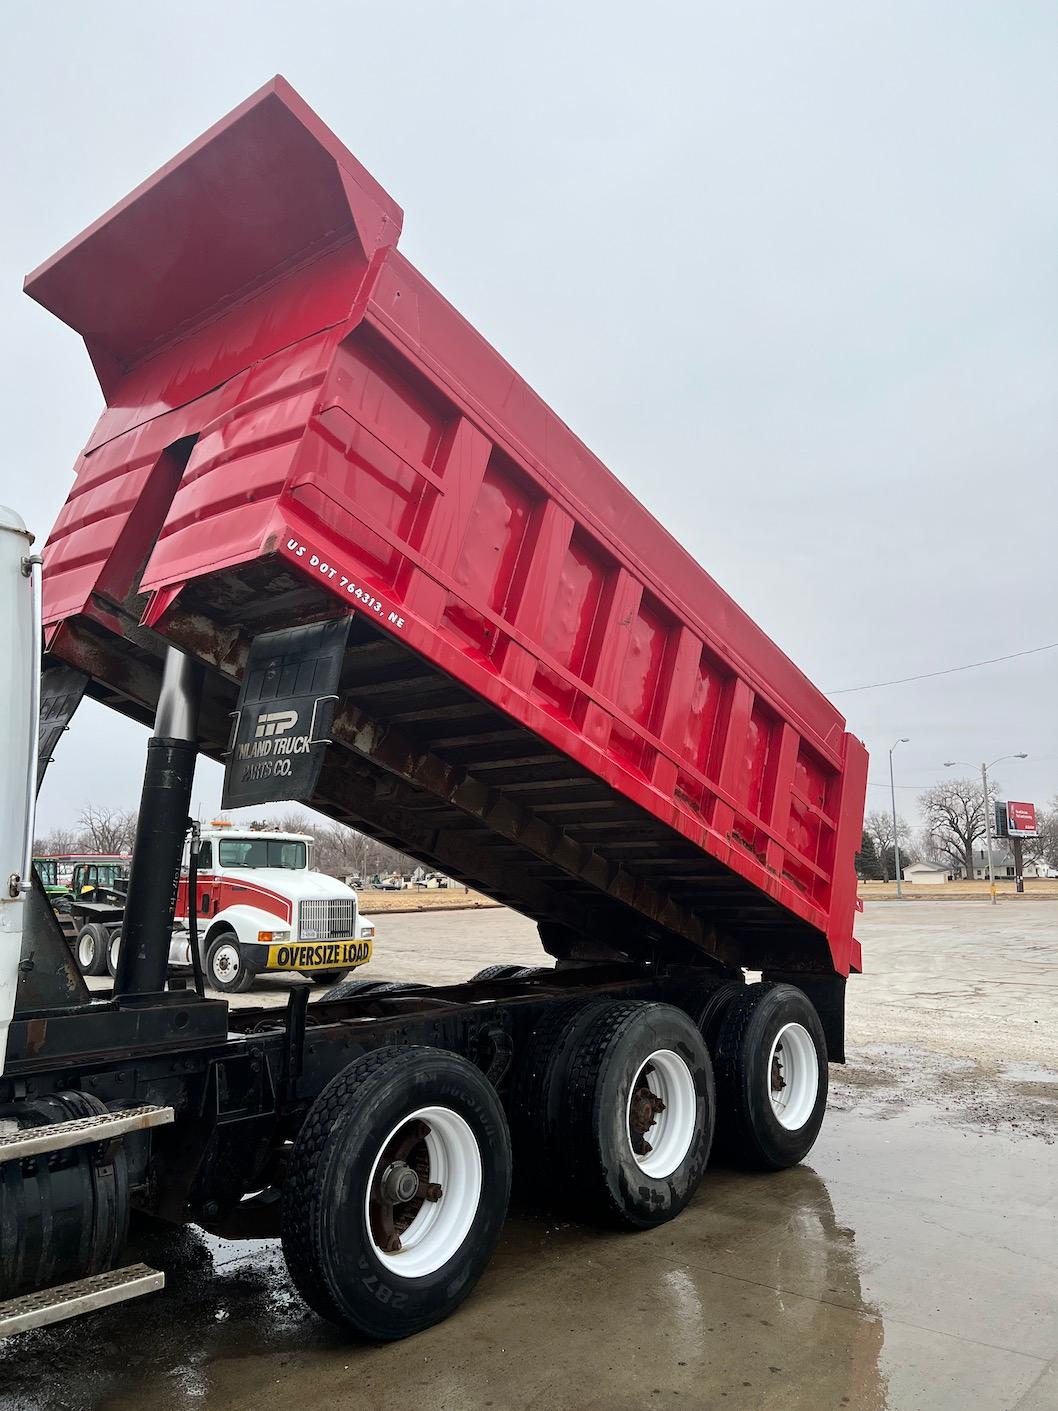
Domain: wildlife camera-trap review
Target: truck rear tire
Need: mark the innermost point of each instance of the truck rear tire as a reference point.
(90, 950)
(708, 1008)
(113, 950)
(771, 1078)
(639, 1115)
(358, 989)
(536, 1097)
(362, 1251)
(226, 968)
(503, 972)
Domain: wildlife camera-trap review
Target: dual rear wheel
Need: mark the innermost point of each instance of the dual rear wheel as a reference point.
(90, 948)
(398, 1182)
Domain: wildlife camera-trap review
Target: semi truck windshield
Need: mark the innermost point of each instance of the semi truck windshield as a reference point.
(260, 852)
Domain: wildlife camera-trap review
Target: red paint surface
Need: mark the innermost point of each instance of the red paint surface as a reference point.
(348, 418)
(223, 891)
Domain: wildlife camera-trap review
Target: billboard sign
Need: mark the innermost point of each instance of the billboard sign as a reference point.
(1016, 820)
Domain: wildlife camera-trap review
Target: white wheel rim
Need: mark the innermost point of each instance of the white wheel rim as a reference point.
(438, 1227)
(226, 962)
(793, 1076)
(86, 951)
(670, 1134)
(115, 944)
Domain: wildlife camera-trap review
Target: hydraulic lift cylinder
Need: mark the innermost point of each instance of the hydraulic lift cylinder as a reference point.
(160, 830)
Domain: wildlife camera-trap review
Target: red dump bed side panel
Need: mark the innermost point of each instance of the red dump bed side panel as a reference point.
(350, 421)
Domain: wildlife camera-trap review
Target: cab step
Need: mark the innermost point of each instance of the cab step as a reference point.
(58, 1136)
(37, 1310)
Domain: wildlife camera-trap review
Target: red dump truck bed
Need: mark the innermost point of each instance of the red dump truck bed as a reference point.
(543, 692)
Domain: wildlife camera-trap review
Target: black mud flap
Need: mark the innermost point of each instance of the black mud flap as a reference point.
(827, 993)
(286, 707)
(62, 689)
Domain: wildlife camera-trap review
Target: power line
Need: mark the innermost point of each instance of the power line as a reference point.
(884, 784)
(948, 671)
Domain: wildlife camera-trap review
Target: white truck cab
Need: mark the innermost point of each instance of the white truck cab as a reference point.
(261, 906)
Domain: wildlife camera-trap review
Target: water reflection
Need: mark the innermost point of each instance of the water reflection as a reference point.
(751, 1299)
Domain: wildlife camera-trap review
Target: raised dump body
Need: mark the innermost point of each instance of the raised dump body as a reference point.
(542, 692)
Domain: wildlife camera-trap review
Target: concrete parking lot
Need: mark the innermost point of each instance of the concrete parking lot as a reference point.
(909, 1264)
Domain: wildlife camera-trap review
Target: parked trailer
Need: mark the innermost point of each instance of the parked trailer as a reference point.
(320, 505)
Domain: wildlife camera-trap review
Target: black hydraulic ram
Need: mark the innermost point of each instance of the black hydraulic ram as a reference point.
(148, 922)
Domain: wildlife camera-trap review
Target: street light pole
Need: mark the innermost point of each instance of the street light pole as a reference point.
(988, 833)
(892, 794)
(950, 763)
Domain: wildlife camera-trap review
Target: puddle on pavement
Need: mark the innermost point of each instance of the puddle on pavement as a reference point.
(875, 1278)
(1029, 1073)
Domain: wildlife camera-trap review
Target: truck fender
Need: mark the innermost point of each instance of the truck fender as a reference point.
(245, 921)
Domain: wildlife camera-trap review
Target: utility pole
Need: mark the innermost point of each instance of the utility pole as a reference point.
(1019, 864)
(892, 793)
(988, 832)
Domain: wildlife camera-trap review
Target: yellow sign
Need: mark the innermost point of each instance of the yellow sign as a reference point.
(319, 955)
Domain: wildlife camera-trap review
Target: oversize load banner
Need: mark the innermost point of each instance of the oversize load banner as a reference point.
(286, 706)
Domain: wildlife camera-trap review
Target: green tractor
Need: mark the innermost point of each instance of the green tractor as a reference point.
(47, 869)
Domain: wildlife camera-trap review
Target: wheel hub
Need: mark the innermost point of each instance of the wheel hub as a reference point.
(778, 1073)
(643, 1112)
(402, 1187)
(399, 1183)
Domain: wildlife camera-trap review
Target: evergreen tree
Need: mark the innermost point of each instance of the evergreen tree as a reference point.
(868, 868)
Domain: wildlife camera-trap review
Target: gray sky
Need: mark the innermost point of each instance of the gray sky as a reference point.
(789, 269)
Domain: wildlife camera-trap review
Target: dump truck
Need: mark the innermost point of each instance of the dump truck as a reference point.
(324, 534)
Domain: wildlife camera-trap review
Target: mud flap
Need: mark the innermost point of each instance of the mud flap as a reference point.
(827, 993)
(62, 689)
(286, 707)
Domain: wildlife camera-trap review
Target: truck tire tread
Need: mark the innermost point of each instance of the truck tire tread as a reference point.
(536, 1072)
(743, 1135)
(592, 1191)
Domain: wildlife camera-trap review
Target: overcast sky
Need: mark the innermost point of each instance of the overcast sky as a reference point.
(789, 269)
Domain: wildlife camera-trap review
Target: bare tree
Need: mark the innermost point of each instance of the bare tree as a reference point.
(56, 843)
(879, 825)
(340, 850)
(954, 820)
(1045, 847)
(107, 830)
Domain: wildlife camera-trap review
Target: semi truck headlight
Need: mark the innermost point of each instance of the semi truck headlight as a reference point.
(275, 938)
(367, 931)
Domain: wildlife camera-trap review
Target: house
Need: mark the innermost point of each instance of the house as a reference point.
(1003, 865)
(927, 874)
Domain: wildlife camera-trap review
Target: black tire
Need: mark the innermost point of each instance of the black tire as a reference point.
(113, 948)
(606, 1177)
(334, 1258)
(325, 977)
(228, 978)
(90, 949)
(503, 972)
(709, 1008)
(749, 1131)
(359, 989)
(536, 1097)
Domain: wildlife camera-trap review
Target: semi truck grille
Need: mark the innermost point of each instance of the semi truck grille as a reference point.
(334, 919)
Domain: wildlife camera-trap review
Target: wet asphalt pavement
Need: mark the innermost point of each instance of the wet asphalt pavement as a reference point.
(911, 1263)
